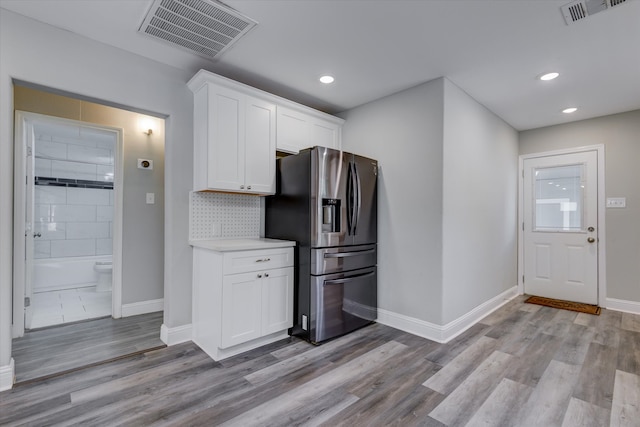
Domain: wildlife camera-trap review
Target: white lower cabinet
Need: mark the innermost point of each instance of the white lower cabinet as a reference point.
(241, 299)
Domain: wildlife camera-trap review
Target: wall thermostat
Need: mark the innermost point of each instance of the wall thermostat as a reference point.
(145, 164)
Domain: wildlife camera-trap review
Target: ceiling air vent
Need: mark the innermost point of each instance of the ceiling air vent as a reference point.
(205, 27)
(581, 9)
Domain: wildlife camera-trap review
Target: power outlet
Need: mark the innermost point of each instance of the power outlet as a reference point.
(216, 229)
(616, 202)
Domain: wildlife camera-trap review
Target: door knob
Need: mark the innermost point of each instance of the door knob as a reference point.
(591, 240)
(591, 229)
(37, 234)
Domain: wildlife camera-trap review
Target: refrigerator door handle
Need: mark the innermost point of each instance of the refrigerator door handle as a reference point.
(349, 254)
(351, 199)
(347, 279)
(358, 199)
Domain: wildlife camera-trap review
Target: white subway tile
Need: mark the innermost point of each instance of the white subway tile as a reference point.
(50, 195)
(41, 213)
(42, 167)
(50, 150)
(72, 140)
(42, 249)
(104, 213)
(73, 170)
(87, 196)
(50, 230)
(89, 154)
(73, 213)
(87, 230)
(104, 173)
(104, 247)
(75, 247)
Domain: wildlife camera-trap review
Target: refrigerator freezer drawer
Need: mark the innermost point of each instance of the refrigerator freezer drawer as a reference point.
(342, 303)
(344, 258)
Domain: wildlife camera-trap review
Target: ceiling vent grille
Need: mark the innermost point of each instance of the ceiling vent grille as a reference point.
(581, 9)
(205, 27)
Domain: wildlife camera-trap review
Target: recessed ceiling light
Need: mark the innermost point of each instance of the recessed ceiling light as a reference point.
(327, 79)
(549, 76)
(570, 110)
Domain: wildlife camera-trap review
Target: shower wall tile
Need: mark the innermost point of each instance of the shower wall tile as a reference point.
(73, 170)
(104, 173)
(104, 247)
(42, 167)
(42, 213)
(50, 150)
(50, 195)
(42, 249)
(87, 230)
(81, 153)
(88, 196)
(50, 230)
(73, 247)
(73, 213)
(104, 213)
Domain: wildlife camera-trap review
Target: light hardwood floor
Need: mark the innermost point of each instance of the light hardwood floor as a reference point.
(524, 365)
(49, 351)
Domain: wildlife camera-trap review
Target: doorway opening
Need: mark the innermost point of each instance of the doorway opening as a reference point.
(70, 200)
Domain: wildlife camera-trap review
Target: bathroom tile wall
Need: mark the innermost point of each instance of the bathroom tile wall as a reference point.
(73, 218)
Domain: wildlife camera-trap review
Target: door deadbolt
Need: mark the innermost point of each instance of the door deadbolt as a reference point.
(591, 240)
(591, 229)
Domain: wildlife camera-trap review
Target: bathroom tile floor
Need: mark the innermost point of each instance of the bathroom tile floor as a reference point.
(69, 305)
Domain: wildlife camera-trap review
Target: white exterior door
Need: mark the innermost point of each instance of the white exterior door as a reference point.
(560, 211)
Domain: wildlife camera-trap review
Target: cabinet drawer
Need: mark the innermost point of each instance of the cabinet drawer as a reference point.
(246, 261)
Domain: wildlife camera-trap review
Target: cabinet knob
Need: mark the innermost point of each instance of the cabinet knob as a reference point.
(259, 276)
(266, 274)
(248, 187)
(242, 187)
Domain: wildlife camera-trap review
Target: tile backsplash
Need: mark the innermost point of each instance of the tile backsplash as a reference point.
(236, 215)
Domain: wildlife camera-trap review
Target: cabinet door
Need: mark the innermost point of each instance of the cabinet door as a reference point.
(226, 154)
(260, 146)
(241, 309)
(325, 134)
(293, 130)
(277, 300)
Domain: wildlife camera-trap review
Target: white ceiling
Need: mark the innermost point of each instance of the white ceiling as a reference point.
(492, 49)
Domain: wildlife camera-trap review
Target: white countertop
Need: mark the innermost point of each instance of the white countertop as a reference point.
(228, 245)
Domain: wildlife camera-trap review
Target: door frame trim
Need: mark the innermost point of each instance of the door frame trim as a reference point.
(22, 119)
(602, 265)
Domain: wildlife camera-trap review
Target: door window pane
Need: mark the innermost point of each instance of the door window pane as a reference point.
(558, 193)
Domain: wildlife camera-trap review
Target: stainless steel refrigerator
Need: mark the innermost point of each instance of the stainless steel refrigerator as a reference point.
(326, 201)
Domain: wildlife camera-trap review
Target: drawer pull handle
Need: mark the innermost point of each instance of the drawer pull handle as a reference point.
(263, 260)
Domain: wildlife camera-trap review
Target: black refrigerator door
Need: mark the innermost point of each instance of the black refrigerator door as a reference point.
(365, 227)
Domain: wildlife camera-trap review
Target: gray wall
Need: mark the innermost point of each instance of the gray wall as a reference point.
(46, 56)
(620, 133)
(404, 133)
(480, 193)
(447, 199)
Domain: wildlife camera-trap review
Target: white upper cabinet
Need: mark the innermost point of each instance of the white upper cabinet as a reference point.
(237, 129)
(302, 127)
(235, 136)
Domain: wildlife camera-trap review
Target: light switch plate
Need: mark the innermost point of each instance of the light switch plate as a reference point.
(616, 202)
(151, 198)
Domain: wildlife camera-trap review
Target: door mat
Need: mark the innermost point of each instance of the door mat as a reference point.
(565, 305)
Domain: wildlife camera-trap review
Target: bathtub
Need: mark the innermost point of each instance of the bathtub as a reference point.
(52, 274)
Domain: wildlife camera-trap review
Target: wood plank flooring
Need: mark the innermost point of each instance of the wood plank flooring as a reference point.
(48, 351)
(523, 365)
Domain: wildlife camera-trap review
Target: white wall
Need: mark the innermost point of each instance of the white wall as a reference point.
(404, 133)
(43, 55)
(620, 134)
(480, 191)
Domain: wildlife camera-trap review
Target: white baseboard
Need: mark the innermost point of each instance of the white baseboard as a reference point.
(440, 333)
(623, 305)
(7, 375)
(142, 307)
(177, 335)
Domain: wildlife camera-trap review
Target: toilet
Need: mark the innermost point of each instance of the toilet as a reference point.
(104, 270)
